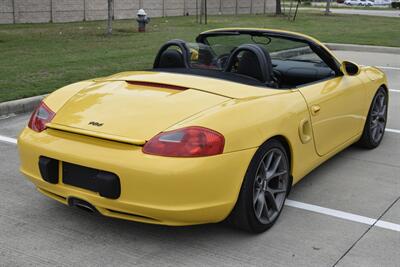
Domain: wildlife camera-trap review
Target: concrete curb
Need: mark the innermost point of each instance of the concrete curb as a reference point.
(20, 105)
(28, 104)
(364, 48)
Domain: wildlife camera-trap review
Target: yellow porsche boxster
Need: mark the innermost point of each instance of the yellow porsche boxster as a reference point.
(219, 129)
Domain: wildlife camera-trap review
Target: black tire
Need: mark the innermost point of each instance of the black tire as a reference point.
(244, 216)
(370, 139)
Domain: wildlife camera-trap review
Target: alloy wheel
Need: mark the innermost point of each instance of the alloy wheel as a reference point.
(270, 186)
(378, 117)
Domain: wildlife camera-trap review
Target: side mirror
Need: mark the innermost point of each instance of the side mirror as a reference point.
(349, 68)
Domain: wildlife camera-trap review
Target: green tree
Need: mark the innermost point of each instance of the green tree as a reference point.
(278, 10)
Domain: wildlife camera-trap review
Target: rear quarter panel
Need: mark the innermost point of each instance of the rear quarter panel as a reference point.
(248, 123)
(59, 97)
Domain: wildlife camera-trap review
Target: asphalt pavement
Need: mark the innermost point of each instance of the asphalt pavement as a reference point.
(344, 213)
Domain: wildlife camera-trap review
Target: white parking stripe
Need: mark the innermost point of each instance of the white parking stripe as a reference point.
(330, 212)
(392, 130)
(343, 215)
(8, 139)
(388, 68)
(314, 208)
(394, 90)
(388, 225)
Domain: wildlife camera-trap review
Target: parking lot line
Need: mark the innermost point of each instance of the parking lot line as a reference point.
(388, 225)
(388, 68)
(392, 130)
(330, 212)
(343, 215)
(310, 207)
(394, 90)
(8, 139)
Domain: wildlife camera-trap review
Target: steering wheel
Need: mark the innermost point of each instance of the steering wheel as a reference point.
(277, 78)
(221, 60)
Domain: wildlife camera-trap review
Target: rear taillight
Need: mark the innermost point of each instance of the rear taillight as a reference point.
(186, 142)
(40, 117)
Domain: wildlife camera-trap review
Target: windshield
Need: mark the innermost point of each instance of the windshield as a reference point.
(253, 57)
(215, 51)
(276, 46)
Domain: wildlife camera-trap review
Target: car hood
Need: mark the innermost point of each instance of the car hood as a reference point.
(134, 107)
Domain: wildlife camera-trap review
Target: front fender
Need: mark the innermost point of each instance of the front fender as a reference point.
(373, 78)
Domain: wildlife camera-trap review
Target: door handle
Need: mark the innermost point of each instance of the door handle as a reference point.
(305, 131)
(315, 109)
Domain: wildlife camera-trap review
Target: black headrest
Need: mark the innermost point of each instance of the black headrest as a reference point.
(171, 59)
(255, 62)
(247, 65)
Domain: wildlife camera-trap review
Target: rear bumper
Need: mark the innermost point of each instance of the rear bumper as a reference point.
(160, 190)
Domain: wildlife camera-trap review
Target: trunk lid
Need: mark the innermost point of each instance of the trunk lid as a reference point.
(201, 83)
(130, 112)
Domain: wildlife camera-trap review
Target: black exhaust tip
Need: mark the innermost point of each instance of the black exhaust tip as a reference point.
(82, 205)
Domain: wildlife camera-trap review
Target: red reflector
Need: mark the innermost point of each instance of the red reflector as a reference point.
(186, 142)
(40, 117)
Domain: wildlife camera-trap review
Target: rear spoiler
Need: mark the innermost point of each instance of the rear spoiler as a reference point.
(120, 139)
(180, 81)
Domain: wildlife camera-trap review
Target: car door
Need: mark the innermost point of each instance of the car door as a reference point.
(336, 108)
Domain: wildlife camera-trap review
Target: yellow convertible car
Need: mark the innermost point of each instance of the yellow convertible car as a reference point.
(219, 129)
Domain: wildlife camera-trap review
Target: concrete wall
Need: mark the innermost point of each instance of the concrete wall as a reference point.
(39, 11)
(6, 11)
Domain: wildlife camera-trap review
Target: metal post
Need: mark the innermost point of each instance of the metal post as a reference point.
(113, 9)
(205, 10)
(220, 6)
(236, 7)
(328, 7)
(265, 7)
(163, 8)
(14, 11)
(109, 26)
(140, 3)
(84, 10)
(251, 6)
(51, 10)
(197, 11)
(297, 8)
(201, 11)
(184, 8)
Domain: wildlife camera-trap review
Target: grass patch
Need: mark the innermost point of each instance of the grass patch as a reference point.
(39, 58)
